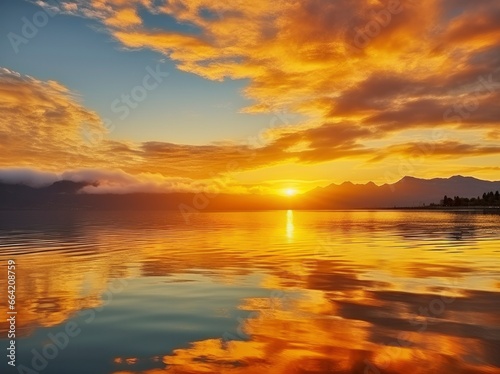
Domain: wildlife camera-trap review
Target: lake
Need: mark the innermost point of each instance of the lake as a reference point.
(253, 292)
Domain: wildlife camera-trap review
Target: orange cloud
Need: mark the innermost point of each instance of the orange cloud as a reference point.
(124, 18)
(446, 149)
(44, 125)
(366, 74)
(317, 58)
(41, 121)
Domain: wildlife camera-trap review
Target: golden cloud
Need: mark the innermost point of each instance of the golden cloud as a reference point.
(44, 126)
(355, 59)
(362, 72)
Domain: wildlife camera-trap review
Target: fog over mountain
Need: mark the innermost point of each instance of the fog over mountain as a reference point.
(408, 192)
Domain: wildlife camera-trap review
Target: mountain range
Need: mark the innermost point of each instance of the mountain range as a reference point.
(407, 192)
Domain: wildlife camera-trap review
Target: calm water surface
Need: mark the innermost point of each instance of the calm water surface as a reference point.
(260, 292)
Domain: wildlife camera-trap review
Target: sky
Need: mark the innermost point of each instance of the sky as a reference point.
(261, 96)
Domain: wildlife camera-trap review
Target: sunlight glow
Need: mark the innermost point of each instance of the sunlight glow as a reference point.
(290, 192)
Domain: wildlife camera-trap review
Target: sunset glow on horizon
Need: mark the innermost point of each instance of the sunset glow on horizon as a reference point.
(184, 93)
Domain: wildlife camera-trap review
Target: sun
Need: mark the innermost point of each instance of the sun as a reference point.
(290, 191)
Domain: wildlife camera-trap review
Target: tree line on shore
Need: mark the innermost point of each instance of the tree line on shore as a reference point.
(488, 199)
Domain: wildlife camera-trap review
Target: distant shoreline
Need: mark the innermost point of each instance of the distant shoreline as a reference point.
(486, 210)
(476, 209)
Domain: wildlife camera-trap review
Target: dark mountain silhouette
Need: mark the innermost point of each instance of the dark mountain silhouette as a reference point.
(408, 192)
(19, 196)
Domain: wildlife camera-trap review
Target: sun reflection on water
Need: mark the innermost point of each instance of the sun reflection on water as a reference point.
(289, 225)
